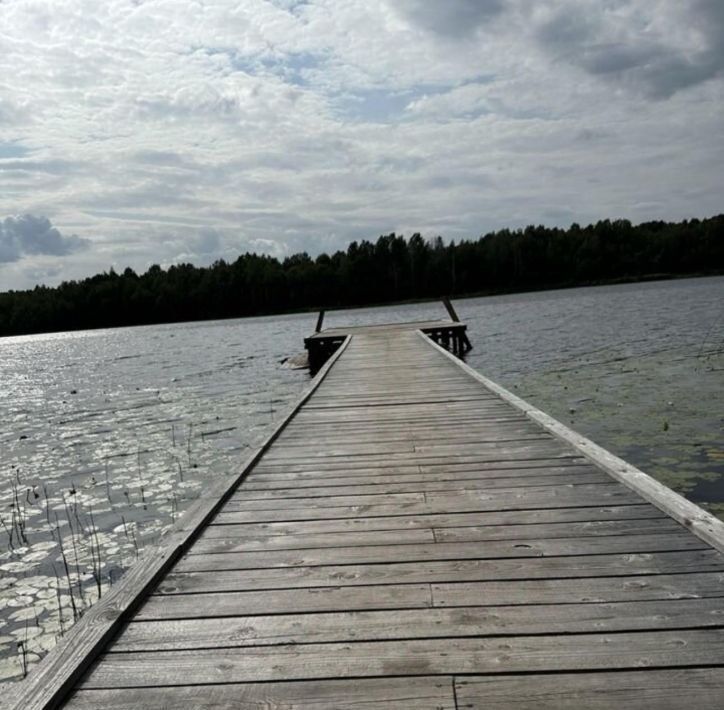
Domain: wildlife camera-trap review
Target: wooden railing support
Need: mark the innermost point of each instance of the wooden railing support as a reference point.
(320, 320)
(450, 310)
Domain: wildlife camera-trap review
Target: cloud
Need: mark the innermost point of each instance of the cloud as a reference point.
(208, 242)
(283, 126)
(454, 18)
(466, 100)
(29, 235)
(669, 49)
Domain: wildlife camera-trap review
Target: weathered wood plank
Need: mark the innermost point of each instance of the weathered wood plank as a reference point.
(557, 530)
(569, 496)
(395, 499)
(670, 689)
(576, 476)
(590, 590)
(285, 601)
(434, 520)
(428, 464)
(493, 469)
(541, 447)
(231, 533)
(327, 439)
(411, 657)
(419, 423)
(183, 630)
(572, 567)
(234, 534)
(370, 444)
(417, 693)
(385, 402)
(218, 554)
(467, 427)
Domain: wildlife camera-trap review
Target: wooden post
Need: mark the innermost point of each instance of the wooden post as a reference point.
(320, 320)
(450, 309)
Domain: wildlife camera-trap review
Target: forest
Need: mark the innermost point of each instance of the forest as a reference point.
(390, 269)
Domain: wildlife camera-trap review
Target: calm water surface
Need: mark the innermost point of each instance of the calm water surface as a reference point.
(108, 435)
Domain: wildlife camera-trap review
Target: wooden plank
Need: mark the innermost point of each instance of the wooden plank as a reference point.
(394, 499)
(235, 534)
(183, 606)
(189, 632)
(220, 554)
(227, 521)
(540, 447)
(363, 439)
(56, 674)
(577, 475)
(420, 421)
(428, 464)
(670, 689)
(515, 654)
(473, 501)
(467, 424)
(422, 399)
(251, 543)
(419, 693)
(573, 567)
(557, 530)
(263, 479)
(589, 590)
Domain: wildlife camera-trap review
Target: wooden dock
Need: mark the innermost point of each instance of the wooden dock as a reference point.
(412, 537)
(451, 334)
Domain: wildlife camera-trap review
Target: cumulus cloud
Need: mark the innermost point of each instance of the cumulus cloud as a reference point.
(30, 235)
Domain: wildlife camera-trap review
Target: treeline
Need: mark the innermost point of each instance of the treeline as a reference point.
(391, 269)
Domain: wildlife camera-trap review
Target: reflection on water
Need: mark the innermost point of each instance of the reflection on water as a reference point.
(108, 435)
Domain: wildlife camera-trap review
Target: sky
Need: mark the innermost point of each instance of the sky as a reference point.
(135, 132)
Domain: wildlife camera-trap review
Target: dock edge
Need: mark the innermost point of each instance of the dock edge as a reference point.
(701, 523)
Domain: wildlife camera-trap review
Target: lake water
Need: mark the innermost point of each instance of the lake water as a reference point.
(108, 435)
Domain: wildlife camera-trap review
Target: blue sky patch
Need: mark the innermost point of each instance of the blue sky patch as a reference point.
(13, 149)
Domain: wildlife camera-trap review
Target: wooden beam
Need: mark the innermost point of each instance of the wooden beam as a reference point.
(320, 320)
(449, 308)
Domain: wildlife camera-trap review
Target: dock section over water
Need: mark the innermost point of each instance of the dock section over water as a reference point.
(451, 334)
(413, 537)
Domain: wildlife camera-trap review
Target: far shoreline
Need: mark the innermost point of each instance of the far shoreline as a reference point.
(617, 281)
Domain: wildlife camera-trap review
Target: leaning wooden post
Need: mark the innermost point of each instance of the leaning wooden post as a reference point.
(320, 320)
(450, 309)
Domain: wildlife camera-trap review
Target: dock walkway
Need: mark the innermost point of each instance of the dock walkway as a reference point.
(411, 539)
